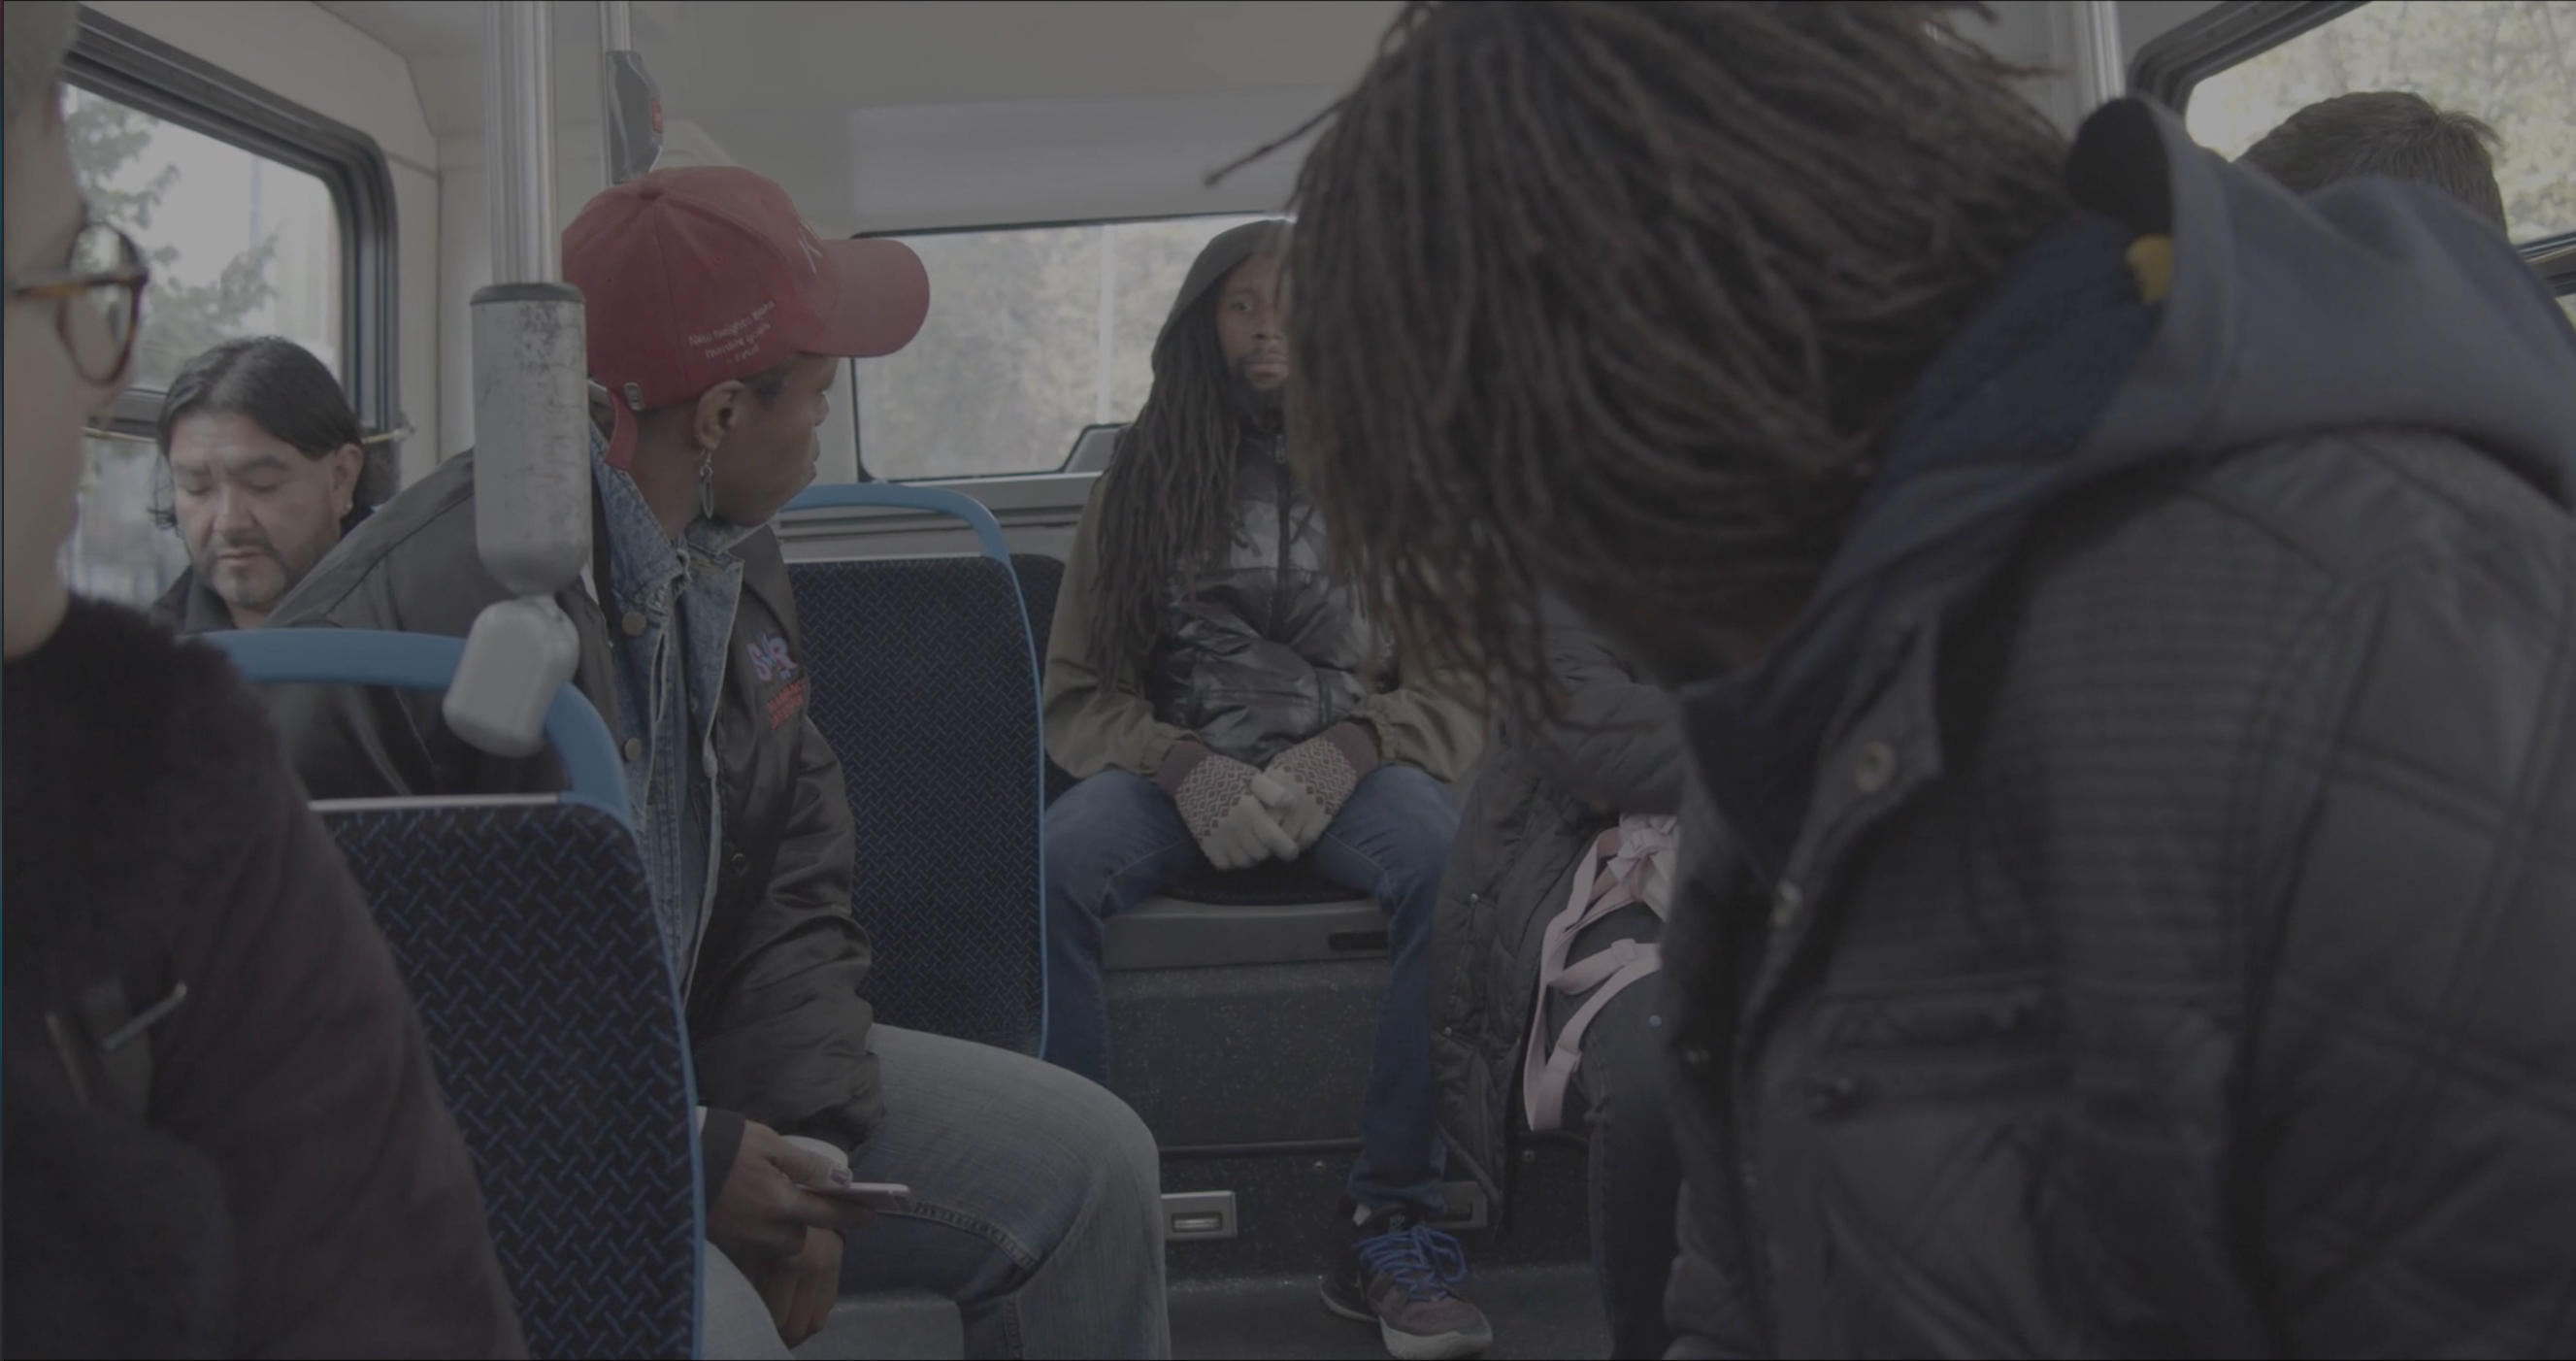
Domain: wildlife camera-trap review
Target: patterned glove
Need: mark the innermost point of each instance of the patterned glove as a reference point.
(1319, 775)
(1227, 807)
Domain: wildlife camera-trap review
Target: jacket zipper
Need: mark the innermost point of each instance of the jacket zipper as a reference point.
(1287, 552)
(1279, 502)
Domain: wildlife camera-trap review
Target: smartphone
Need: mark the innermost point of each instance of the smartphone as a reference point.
(876, 1195)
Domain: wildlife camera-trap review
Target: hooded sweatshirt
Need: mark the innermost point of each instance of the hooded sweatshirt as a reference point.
(2262, 316)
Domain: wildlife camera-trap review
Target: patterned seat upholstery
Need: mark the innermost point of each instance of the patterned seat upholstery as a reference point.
(575, 1101)
(1041, 578)
(924, 682)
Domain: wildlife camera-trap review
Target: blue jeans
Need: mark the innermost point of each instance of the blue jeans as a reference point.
(1114, 841)
(1036, 1206)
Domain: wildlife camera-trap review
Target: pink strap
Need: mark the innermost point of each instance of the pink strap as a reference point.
(1629, 863)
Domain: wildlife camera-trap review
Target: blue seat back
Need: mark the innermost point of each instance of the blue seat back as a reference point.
(529, 944)
(925, 683)
(523, 928)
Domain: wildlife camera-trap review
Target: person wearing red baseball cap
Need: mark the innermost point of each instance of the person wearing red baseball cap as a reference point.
(716, 319)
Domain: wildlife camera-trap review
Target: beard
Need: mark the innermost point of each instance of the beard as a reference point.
(1258, 407)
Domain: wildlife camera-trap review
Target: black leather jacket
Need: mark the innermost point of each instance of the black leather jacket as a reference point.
(777, 1028)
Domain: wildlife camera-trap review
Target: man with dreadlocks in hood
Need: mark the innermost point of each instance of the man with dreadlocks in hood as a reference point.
(1224, 704)
(2124, 621)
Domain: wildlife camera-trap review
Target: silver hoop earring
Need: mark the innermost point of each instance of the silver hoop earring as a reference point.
(707, 484)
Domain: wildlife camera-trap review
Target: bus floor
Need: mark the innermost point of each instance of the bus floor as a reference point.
(1537, 1309)
(1256, 1295)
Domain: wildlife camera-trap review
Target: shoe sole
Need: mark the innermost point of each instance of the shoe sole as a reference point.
(1413, 1346)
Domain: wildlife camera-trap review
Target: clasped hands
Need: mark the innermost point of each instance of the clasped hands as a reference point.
(1241, 815)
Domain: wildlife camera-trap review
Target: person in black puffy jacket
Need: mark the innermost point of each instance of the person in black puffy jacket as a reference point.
(2124, 622)
(1539, 802)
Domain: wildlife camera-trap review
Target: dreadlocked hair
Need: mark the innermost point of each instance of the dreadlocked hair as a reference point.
(1167, 501)
(1616, 300)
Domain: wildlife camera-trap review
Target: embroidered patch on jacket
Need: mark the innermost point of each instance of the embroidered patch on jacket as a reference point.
(774, 665)
(787, 704)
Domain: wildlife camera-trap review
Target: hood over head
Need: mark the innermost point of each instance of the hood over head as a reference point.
(1218, 258)
(2370, 303)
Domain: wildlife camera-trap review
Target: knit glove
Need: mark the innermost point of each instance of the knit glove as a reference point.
(1319, 775)
(1227, 806)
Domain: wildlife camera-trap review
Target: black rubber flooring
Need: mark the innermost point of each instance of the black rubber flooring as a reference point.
(1537, 1311)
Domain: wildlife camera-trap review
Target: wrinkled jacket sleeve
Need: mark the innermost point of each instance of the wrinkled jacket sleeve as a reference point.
(1420, 723)
(1620, 746)
(2412, 1103)
(1092, 723)
(779, 1031)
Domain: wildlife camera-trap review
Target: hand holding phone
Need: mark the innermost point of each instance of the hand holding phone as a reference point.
(876, 1195)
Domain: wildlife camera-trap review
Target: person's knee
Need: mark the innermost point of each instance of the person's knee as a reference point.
(1126, 1147)
(1094, 830)
(1425, 819)
(1117, 1165)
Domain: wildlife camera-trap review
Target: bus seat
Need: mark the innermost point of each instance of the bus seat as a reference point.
(1041, 578)
(522, 928)
(924, 680)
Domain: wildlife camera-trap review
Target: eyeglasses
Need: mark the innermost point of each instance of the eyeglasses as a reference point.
(98, 299)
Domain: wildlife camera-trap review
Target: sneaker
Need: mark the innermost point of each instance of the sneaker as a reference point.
(1396, 1273)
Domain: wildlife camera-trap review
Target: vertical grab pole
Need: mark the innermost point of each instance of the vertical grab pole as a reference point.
(518, 139)
(531, 406)
(2097, 66)
(630, 123)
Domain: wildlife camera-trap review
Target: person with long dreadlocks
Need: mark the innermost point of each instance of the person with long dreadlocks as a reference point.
(1223, 704)
(2124, 621)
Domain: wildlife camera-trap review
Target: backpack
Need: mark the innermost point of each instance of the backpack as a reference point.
(1630, 862)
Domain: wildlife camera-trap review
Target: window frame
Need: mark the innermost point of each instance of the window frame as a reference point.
(2168, 68)
(858, 437)
(116, 61)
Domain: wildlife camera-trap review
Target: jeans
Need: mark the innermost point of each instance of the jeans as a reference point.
(1634, 1174)
(1036, 1206)
(1115, 840)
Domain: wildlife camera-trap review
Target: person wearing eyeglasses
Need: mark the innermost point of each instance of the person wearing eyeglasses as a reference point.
(268, 469)
(218, 1124)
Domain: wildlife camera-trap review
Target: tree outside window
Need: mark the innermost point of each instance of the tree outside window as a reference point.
(239, 245)
(1033, 334)
(2506, 61)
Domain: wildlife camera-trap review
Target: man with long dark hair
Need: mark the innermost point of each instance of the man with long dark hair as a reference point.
(1224, 705)
(268, 470)
(2125, 622)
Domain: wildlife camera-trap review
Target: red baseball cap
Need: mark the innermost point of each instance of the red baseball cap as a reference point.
(702, 275)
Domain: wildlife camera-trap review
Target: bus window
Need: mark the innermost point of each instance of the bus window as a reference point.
(240, 245)
(2505, 61)
(1033, 334)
